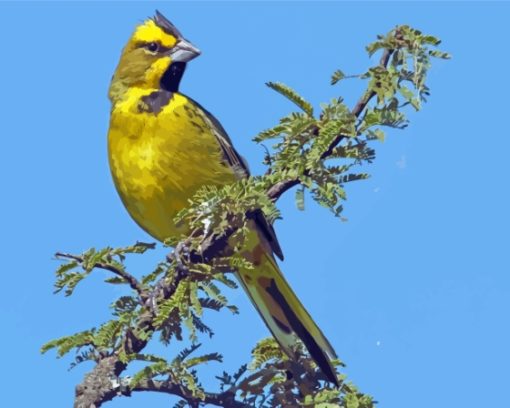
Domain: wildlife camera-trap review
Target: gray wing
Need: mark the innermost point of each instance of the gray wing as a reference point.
(240, 166)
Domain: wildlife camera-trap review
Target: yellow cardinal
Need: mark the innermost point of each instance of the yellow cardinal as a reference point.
(163, 146)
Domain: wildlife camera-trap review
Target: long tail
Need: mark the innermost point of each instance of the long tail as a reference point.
(282, 311)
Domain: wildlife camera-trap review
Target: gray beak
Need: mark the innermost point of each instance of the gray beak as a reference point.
(184, 51)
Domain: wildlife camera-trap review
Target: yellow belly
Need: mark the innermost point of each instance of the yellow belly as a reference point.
(158, 161)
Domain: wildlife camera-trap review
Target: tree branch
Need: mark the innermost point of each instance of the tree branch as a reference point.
(275, 191)
(224, 399)
(97, 386)
(360, 105)
(130, 279)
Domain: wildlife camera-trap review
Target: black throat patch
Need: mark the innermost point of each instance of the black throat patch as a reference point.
(155, 101)
(172, 77)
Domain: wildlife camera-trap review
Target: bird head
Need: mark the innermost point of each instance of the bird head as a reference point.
(154, 57)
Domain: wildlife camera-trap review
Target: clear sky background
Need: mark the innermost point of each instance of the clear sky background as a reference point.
(413, 291)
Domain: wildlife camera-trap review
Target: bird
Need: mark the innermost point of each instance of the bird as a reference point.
(163, 146)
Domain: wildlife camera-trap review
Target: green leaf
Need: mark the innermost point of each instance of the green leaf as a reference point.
(233, 308)
(266, 349)
(237, 262)
(269, 133)
(214, 292)
(149, 357)
(181, 404)
(151, 277)
(292, 95)
(201, 326)
(149, 372)
(93, 257)
(376, 134)
(203, 359)
(190, 324)
(107, 334)
(416, 104)
(209, 303)
(353, 177)
(81, 356)
(300, 199)
(124, 304)
(67, 343)
(337, 76)
(116, 280)
(373, 47)
(440, 54)
(406, 92)
(430, 39)
(62, 269)
(165, 310)
(351, 401)
(223, 278)
(186, 352)
(68, 281)
(193, 288)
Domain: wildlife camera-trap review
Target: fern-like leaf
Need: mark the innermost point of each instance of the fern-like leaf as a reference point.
(292, 95)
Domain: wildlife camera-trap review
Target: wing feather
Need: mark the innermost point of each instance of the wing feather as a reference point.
(241, 170)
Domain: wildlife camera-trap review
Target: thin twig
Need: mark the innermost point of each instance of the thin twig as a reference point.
(130, 279)
(275, 191)
(360, 105)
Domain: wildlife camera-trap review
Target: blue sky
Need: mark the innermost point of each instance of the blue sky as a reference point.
(413, 291)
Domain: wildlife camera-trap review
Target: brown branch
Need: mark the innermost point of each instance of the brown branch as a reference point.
(97, 386)
(224, 399)
(275, 191)
(102, 384)
(130, 279)
(281, 187)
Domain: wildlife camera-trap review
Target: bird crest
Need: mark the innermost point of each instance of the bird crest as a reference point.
(162, 22)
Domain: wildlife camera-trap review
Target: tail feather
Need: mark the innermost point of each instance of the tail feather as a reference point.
(284, 314)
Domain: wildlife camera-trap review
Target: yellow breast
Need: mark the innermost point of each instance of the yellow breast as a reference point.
(159, 160)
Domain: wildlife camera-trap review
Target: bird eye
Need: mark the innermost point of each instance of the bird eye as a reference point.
(152, 46)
